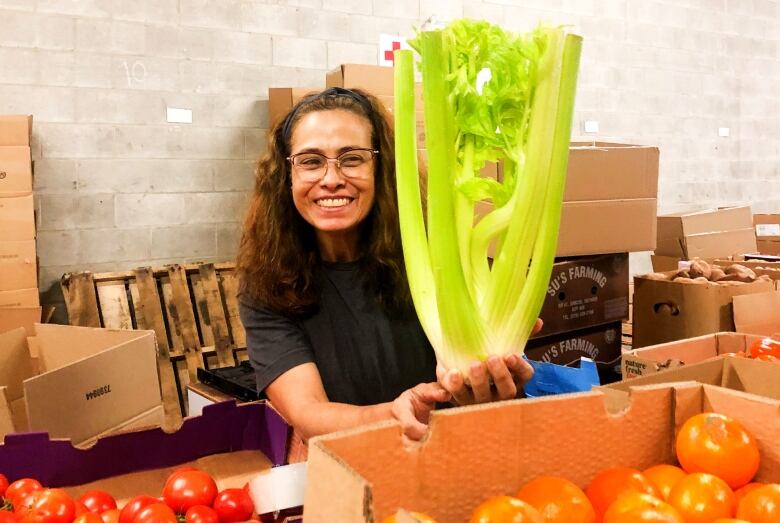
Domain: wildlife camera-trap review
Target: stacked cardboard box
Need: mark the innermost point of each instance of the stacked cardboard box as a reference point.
(767, 233)
(18, 266)
(708, 234)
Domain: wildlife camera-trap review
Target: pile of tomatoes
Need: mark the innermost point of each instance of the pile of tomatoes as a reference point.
(718, 459)
(764, 349)
(189, 495)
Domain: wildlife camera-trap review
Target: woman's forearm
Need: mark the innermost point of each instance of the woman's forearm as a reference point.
(318, 418)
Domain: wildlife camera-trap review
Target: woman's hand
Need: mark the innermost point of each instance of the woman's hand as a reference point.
(413, 408)
(507, 374)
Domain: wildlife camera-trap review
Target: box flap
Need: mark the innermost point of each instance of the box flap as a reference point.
(725, 219)
(61, 345)
(719, 244)
(96, 393)
(758, 313)
(15, 362)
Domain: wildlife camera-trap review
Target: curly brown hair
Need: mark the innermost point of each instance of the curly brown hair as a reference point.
(278, 257)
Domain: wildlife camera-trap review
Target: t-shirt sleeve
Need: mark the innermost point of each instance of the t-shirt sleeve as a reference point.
(275, 343)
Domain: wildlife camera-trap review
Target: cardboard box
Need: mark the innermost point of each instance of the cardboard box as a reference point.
(367, 474)
(282, 99)
(585, 291)
(601, 343)
(758, 314)
(15, 171)
(15, 130)
(667, 311)
(741, 374)
(609, 200)
(17, 218)
(657, 358)
(102, 380)
(20, 298)
(13, 318)
(706, 234)
(767, 233)
(233, 443)
(18, 267)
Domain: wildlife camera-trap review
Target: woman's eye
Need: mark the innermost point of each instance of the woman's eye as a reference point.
(310, 162)
(351, 160)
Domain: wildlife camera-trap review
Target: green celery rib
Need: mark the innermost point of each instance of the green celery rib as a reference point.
(520, 323)
(464, 215)
(413, 237)
(511, 265)
(464, 335)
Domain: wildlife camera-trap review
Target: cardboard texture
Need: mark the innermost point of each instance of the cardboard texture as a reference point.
(16, 363)
(367, 474)
(609, 200)
(13, 318)
(20, 298)
(584, 292)
(601, 343)
(711, 233)
(657, 358)
(18, 265)
(17, 218)
(15, 130)
(15, 171)
(6, 420)
(232, 442)
(668, 311)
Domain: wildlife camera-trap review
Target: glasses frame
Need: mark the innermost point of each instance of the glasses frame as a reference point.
(328, 160)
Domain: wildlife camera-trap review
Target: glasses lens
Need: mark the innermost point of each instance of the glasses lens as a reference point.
(310, 161)
(354, 159)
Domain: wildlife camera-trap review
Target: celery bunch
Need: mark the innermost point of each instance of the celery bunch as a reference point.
(489, 94)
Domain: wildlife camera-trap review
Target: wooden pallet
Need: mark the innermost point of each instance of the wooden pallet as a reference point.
(192, 308)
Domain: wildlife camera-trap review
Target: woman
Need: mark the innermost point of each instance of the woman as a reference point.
(331, 331)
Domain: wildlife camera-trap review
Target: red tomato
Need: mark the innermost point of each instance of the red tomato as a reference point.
(49, 506)
(134, 506)
(4, 484)
(88, 517)
(233, 504)
(110, 516)
(80, 508)
(156, 513)
(22, 487)
(765, 347)
(98, 501)
(201, 514)
(7, 517)
(189, 488)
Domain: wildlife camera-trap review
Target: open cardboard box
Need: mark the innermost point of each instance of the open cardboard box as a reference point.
(471, 453)
(741, 374)
(666, 311)
(767, 233)
(706, 234)
(233, 443)
(84, 382)
(755, 316)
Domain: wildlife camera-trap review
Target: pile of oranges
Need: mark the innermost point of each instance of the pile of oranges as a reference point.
(718, 459)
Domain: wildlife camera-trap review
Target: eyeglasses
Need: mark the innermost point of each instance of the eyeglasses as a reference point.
(311, 167)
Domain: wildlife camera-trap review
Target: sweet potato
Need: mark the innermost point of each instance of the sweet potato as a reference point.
(656, 276)
(716, 274)
(682, 279)
(700, 268)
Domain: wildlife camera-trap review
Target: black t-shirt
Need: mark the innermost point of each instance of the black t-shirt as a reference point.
(364, 356)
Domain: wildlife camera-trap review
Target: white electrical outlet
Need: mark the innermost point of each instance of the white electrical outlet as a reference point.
(175, 115)
(591, 126)
(725, 132)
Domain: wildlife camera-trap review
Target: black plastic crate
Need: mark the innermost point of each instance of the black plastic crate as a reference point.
(238, 381)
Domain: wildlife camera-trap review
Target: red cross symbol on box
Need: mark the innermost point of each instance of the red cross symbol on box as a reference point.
(389, 53)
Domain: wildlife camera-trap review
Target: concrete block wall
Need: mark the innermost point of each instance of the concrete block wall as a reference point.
(118, 187)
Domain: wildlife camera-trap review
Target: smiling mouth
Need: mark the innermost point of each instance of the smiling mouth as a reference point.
(333, 203)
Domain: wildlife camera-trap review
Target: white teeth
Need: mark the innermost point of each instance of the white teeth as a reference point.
(333, 202)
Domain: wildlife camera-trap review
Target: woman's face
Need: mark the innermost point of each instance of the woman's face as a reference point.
(333, 204)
